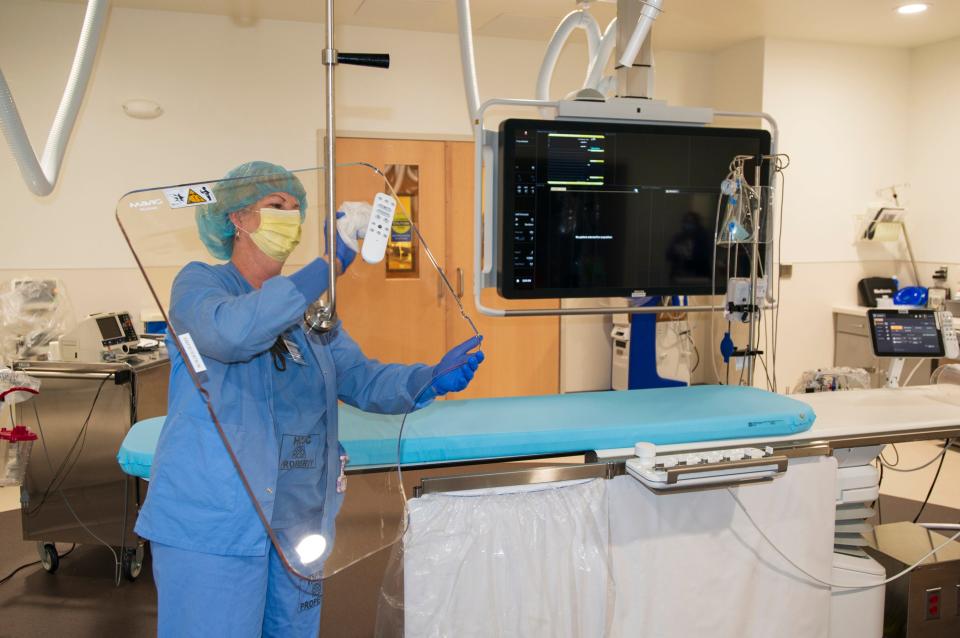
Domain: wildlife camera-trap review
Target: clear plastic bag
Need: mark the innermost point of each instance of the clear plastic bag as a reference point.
(17, 387)
(483, 559)
(832, 379)
(33, 312)
(946, 374)
(16, 443)
(15, 448)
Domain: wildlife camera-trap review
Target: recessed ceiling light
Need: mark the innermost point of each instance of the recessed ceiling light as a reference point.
(912, 8)
(142, 109)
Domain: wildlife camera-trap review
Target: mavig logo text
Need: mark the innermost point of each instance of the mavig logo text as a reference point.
(146, 203)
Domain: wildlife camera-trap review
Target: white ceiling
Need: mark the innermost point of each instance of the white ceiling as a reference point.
(687, 25)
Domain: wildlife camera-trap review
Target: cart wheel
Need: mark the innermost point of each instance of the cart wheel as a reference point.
(49, 557)
(133, 562)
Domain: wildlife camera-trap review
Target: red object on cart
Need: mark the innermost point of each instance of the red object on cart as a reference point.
(15, 448)
(5, 393)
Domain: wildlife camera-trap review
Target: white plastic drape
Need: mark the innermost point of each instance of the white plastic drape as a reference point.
(529, 563)
(609, 558)
(693, 565)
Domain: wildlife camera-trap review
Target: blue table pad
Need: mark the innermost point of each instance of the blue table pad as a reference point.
(474, 429)
(136, 452)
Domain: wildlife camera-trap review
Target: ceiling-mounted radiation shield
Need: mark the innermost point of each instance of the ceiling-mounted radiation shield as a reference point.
(317, 527)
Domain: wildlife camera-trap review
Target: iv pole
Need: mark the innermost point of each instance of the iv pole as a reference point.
(322, 317)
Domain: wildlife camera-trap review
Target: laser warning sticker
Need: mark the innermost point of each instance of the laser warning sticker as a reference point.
(192, 195)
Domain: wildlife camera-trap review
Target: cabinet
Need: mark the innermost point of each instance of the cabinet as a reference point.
(409, 316)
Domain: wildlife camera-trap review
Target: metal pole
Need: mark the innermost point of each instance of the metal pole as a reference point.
(322, 317)
(636, 80)
(329, 163)
(913, 261)
(754, 262)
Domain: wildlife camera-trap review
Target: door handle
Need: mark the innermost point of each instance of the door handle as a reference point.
(460, 283)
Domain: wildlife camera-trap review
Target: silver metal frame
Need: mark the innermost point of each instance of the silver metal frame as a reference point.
(674, 474)
(94, 495)
(533, 476)
(322, 317)
(483, 223)
(611, 467)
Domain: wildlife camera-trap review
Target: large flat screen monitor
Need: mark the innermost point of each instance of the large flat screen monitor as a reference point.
(599, 209)
(905, 333)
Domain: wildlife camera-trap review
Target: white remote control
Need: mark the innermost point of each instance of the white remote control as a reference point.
(951, 348)
(378, 229)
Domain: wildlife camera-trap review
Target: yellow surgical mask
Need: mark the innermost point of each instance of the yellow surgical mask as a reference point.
(278, 234)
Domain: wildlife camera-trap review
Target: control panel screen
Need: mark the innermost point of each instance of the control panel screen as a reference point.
(599, 209)
(905, 333)
(109, 328)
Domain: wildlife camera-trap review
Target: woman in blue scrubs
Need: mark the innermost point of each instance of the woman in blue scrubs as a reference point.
(274, 388)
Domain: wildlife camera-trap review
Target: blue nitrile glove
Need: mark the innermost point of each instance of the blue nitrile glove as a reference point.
(455, 370)
(345, 254)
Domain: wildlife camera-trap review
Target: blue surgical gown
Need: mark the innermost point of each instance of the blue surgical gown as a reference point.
(196, 499)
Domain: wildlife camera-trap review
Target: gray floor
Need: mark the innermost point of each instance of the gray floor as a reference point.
(80, 600)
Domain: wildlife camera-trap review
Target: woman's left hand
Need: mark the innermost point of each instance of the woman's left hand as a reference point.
(455, 371)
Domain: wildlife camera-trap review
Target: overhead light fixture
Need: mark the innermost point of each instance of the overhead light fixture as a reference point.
(142, 109)
(912, 8)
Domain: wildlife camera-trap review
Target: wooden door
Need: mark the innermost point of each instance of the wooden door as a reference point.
(522, 353)
(396, 317)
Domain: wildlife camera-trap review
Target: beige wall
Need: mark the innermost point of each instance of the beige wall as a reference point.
(230, 94)
(843, 117)
(736, 81)
(933, 199)
(855, 120)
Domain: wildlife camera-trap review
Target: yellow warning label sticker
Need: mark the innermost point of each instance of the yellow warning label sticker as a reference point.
(193, 195)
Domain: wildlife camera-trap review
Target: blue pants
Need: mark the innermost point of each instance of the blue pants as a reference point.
(207, 595)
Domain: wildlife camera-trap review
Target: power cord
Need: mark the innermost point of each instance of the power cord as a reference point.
(877, 502)
(933, 484)
(895, 466)
(884, 460)
(909, 378)
(825, 583)
(31, 564)
(63, 471)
